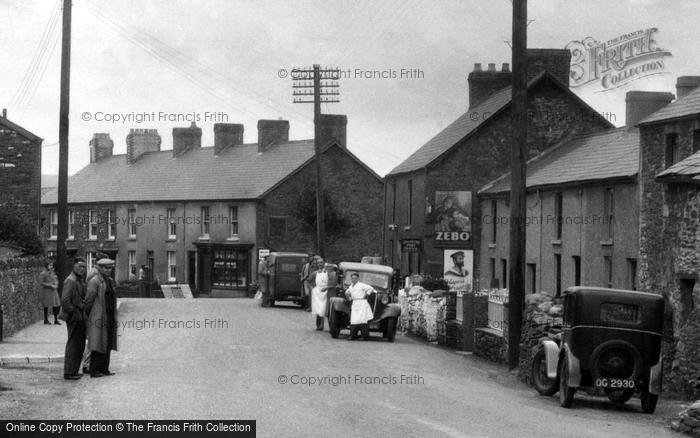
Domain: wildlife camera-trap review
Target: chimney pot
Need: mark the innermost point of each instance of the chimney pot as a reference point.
(492, 66)
(506, 67)
(477, 66)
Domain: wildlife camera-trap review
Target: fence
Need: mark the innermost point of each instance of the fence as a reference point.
(498, 310)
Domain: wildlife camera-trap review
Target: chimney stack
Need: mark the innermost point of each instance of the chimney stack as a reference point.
(185, 139)
(272, 132)
(227, 135)
(101, 146)
(4, 113)
(686, 84)
(140, 141)
(640, 104)
(333, 128)
(556, 61)
(483, 84)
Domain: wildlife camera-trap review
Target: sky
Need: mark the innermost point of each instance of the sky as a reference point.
(229, 61)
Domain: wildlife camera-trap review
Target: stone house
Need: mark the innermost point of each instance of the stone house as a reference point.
(199, 215)
(20, 169)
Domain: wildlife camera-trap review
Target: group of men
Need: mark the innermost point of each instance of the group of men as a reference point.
(89, 308)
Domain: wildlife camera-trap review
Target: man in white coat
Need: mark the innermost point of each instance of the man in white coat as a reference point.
(360, 312)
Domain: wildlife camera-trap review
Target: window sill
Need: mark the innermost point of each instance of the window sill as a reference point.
(91, 239)
(132, 238)
(205, 237)
(52, 239)
(171, 239)
(608, 242)
(492, 245)
(233, 239)
(110, 239)
(556, 242)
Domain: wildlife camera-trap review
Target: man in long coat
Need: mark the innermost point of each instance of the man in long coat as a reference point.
(101, 304)
(73, 312)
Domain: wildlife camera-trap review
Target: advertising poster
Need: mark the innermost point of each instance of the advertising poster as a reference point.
(459, 269)
(452, 218)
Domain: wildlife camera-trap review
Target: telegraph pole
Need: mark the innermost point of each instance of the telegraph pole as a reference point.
(62, 233)
(316, 74)
(516, 291)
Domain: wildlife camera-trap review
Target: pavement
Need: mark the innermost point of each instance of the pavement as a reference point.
(232, 359)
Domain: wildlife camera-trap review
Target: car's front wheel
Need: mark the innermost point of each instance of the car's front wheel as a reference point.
(333, 326)
(391, 329)
(566, 393)
(649, 401)
(543, 384)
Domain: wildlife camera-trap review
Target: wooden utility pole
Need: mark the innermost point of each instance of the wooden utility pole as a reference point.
(518, 208)
(316, 74)
(62, 233)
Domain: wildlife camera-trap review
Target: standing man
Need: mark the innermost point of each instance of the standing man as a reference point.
(91, 273)
(305, 285)
(73, 312)
(101, 305)
(264, 281)
(361, 311)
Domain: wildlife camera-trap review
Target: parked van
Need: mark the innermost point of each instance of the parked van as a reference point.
(284, 282)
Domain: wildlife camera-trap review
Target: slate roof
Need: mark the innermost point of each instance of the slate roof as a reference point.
(238, 172)
(685, 170)
(468, 123)
(687, 105)
(23, 132)
(609, 154)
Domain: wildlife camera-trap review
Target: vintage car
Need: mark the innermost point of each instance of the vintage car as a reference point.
(386, 310)
(610, 345)
(284, 279)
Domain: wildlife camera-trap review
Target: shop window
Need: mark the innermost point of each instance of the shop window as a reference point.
(230, 268)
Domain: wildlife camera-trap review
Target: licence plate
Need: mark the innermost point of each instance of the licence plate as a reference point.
(614, 383)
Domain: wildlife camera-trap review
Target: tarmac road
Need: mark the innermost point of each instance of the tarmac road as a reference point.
(270, 365)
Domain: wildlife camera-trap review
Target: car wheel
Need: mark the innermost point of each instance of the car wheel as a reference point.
(333, 324)
(619, 396)
(649, 401)
(390, 329)
(566, 393)
(543, 384)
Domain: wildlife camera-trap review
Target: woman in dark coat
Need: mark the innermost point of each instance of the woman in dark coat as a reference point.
(49, 292)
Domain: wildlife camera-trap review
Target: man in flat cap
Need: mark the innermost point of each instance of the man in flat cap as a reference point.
(458, 269)
(73, 313)
(91, 273)
(101, 305)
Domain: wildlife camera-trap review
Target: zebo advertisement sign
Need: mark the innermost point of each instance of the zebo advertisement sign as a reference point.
(451, 219)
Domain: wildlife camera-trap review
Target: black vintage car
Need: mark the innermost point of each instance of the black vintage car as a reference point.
(284, 281)
(386, 310)
(610, 345)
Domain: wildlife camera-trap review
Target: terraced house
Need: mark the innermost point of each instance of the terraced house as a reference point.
(199, 215)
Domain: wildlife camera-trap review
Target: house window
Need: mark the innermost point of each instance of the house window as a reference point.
(111, 225)
(504, 272)
(696, 141)
(90, 260)
(672, 152)
(92, 214)
(577, 270)
(632, 274)
(410, 202)
(494, 276)
(132, 223)
(71, 224)
(609, 212)
(172, 225)
(557, 274)
(531, 279)
(205, 221)
(558, 213)
(230, 268)
(172, 266)
(494, 227)
(277, 227)
(607, 263)
(233, 221)
(53, 227)
(132, 264)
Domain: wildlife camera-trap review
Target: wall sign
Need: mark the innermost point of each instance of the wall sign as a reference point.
(451, 219)
(411, 245)
(459, 269)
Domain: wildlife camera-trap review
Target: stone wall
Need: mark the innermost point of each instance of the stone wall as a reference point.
(19, 293)
(685, 369)
(542, 319)
(423, 314)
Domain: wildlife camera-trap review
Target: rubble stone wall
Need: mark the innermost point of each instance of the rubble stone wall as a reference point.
(19, 293)
(423, 314)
